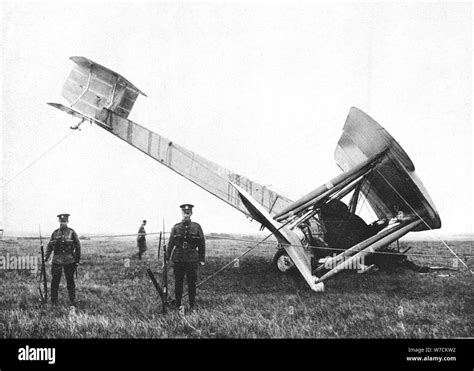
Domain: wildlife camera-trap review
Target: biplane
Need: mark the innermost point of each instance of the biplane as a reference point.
(374, 167)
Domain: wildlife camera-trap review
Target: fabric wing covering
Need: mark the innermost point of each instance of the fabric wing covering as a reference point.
(394, 186)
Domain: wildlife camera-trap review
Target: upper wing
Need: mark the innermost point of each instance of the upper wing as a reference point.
(106, 98)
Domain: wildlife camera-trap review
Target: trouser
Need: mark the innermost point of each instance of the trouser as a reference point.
(141, 248)
(190, 270)
(56, 271)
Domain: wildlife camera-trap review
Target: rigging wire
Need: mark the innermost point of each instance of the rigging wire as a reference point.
(37, 159)
(263, 242)
(431, 229)
(227, 180)
(240, 256)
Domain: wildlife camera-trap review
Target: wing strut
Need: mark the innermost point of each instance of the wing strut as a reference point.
(357, 259)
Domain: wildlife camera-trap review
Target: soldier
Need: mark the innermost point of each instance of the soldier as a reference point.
(67, 254)
(141, 240)
(187, 249)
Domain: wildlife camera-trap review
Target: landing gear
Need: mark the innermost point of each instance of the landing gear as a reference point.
(283, 262)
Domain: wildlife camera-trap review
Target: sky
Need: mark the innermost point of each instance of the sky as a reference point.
(262, 88)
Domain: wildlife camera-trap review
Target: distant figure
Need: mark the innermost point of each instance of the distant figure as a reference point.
(67, 255)
(187, 249)
(141, 240)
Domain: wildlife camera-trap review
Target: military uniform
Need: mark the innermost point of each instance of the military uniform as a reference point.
(67, 254)
(186, 248)
(141, 240)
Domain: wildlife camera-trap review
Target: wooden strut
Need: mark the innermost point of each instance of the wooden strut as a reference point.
(44, 297)
(331, 187)
(360, 246)
(389, 238)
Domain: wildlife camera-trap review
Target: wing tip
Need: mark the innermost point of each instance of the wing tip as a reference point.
(86, 62)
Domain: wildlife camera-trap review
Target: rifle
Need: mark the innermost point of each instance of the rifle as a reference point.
(159, 247)
(159, 289)
(44, 297)
(165, 264)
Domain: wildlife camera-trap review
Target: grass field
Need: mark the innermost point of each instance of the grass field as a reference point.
(251, 300)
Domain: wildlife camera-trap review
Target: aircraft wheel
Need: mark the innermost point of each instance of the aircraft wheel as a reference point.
(283, 262)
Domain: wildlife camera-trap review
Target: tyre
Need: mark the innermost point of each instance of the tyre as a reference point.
(282, 262)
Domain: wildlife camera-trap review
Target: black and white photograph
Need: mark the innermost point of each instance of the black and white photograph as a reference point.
(176, 172)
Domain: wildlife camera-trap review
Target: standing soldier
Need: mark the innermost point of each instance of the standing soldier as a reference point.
(141, 240)
(187, 249)
(67, 254)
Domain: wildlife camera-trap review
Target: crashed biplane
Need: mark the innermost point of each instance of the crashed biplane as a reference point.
(375, 169)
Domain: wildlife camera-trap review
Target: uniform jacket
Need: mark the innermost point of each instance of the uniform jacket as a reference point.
(141, 234)
(186, 243)
(141, 239)
(66, 247)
